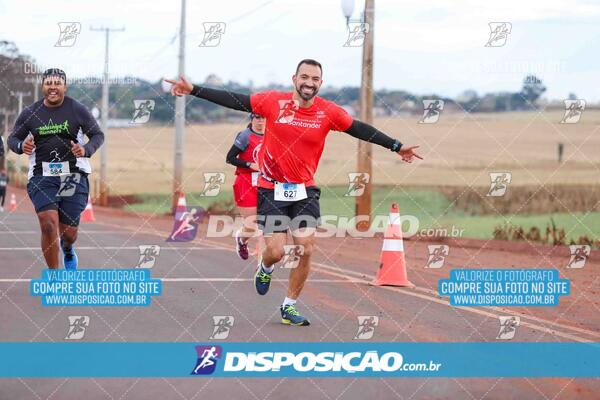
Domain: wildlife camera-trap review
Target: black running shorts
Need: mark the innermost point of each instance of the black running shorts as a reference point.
(278, 216)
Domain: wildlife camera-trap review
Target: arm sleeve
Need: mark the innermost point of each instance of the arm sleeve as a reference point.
(264, 102)
(242, 140)
(90, 128)
(19, 133)
(235, 101)
(232, 157)
(368, 133)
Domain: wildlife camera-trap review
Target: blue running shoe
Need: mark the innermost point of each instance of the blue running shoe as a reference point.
(69, 257)
(262, 280)
(291, 316)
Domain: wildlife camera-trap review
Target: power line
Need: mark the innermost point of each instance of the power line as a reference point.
(103, 198)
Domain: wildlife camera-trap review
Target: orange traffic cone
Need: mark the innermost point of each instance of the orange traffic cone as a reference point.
(181, 207)
(392, 268)
(13, 202)
(88, 213)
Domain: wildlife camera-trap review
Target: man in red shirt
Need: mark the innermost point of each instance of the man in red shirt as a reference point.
(288, 199)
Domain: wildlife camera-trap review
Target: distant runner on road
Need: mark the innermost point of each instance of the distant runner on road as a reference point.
(243, 154)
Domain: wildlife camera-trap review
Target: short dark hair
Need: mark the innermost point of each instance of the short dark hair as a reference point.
(54, 72)
(309, 61)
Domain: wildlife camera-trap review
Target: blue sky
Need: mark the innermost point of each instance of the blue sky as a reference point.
(435, 47)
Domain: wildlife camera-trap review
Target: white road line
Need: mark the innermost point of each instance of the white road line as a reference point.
(38, 232)
(504, 311)
(209, 280)
(431, 295)
(248, 280)
(109, 248)
(410, 292)
(436, 299)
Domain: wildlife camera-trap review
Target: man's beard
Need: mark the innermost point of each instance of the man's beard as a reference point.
(304, 96)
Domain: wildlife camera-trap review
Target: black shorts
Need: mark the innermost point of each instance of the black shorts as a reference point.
(278, 216)
(45, 194)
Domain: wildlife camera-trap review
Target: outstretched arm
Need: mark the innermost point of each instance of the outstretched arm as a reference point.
(369, 133)
(235, 101)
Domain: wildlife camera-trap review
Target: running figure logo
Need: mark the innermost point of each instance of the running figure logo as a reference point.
(508, 327)
(499, 32)
(357, 31)
(291, 255)
(212, 34)
(499, 183)
(55, 166)
(357, 183)
(222, 325)
(186, 228)
(207, 359)
(55, 156)
(68, 184)
(68, 34)
(142, 111)
(287, 111)
(148, 255)
(437, 255)
(212, 183)
(579, 255)
(432, 109)
(366, 327)
(573, 111)
(77, 326)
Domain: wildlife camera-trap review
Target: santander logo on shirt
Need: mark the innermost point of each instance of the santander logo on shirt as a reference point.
(287, 111)
(287, 115)
(294, 136)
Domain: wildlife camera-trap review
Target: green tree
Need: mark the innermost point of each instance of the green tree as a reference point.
(532, 90)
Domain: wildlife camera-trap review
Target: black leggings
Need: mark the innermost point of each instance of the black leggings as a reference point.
(3, 196)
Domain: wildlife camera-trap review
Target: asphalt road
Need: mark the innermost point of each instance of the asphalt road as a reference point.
(205, 278)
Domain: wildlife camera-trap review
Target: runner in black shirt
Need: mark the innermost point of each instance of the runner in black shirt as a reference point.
(51, 132)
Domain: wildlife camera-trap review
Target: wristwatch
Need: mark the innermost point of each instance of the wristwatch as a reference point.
(396, 146)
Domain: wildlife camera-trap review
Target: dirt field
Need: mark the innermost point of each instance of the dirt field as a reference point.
(459, 150)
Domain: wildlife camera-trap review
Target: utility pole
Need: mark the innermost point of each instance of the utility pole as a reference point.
(18, 163)
(34, 80)
(6, 113)
(179, 118)
(103, 198)
(20, 96)
(36, 92)
(364, 165)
